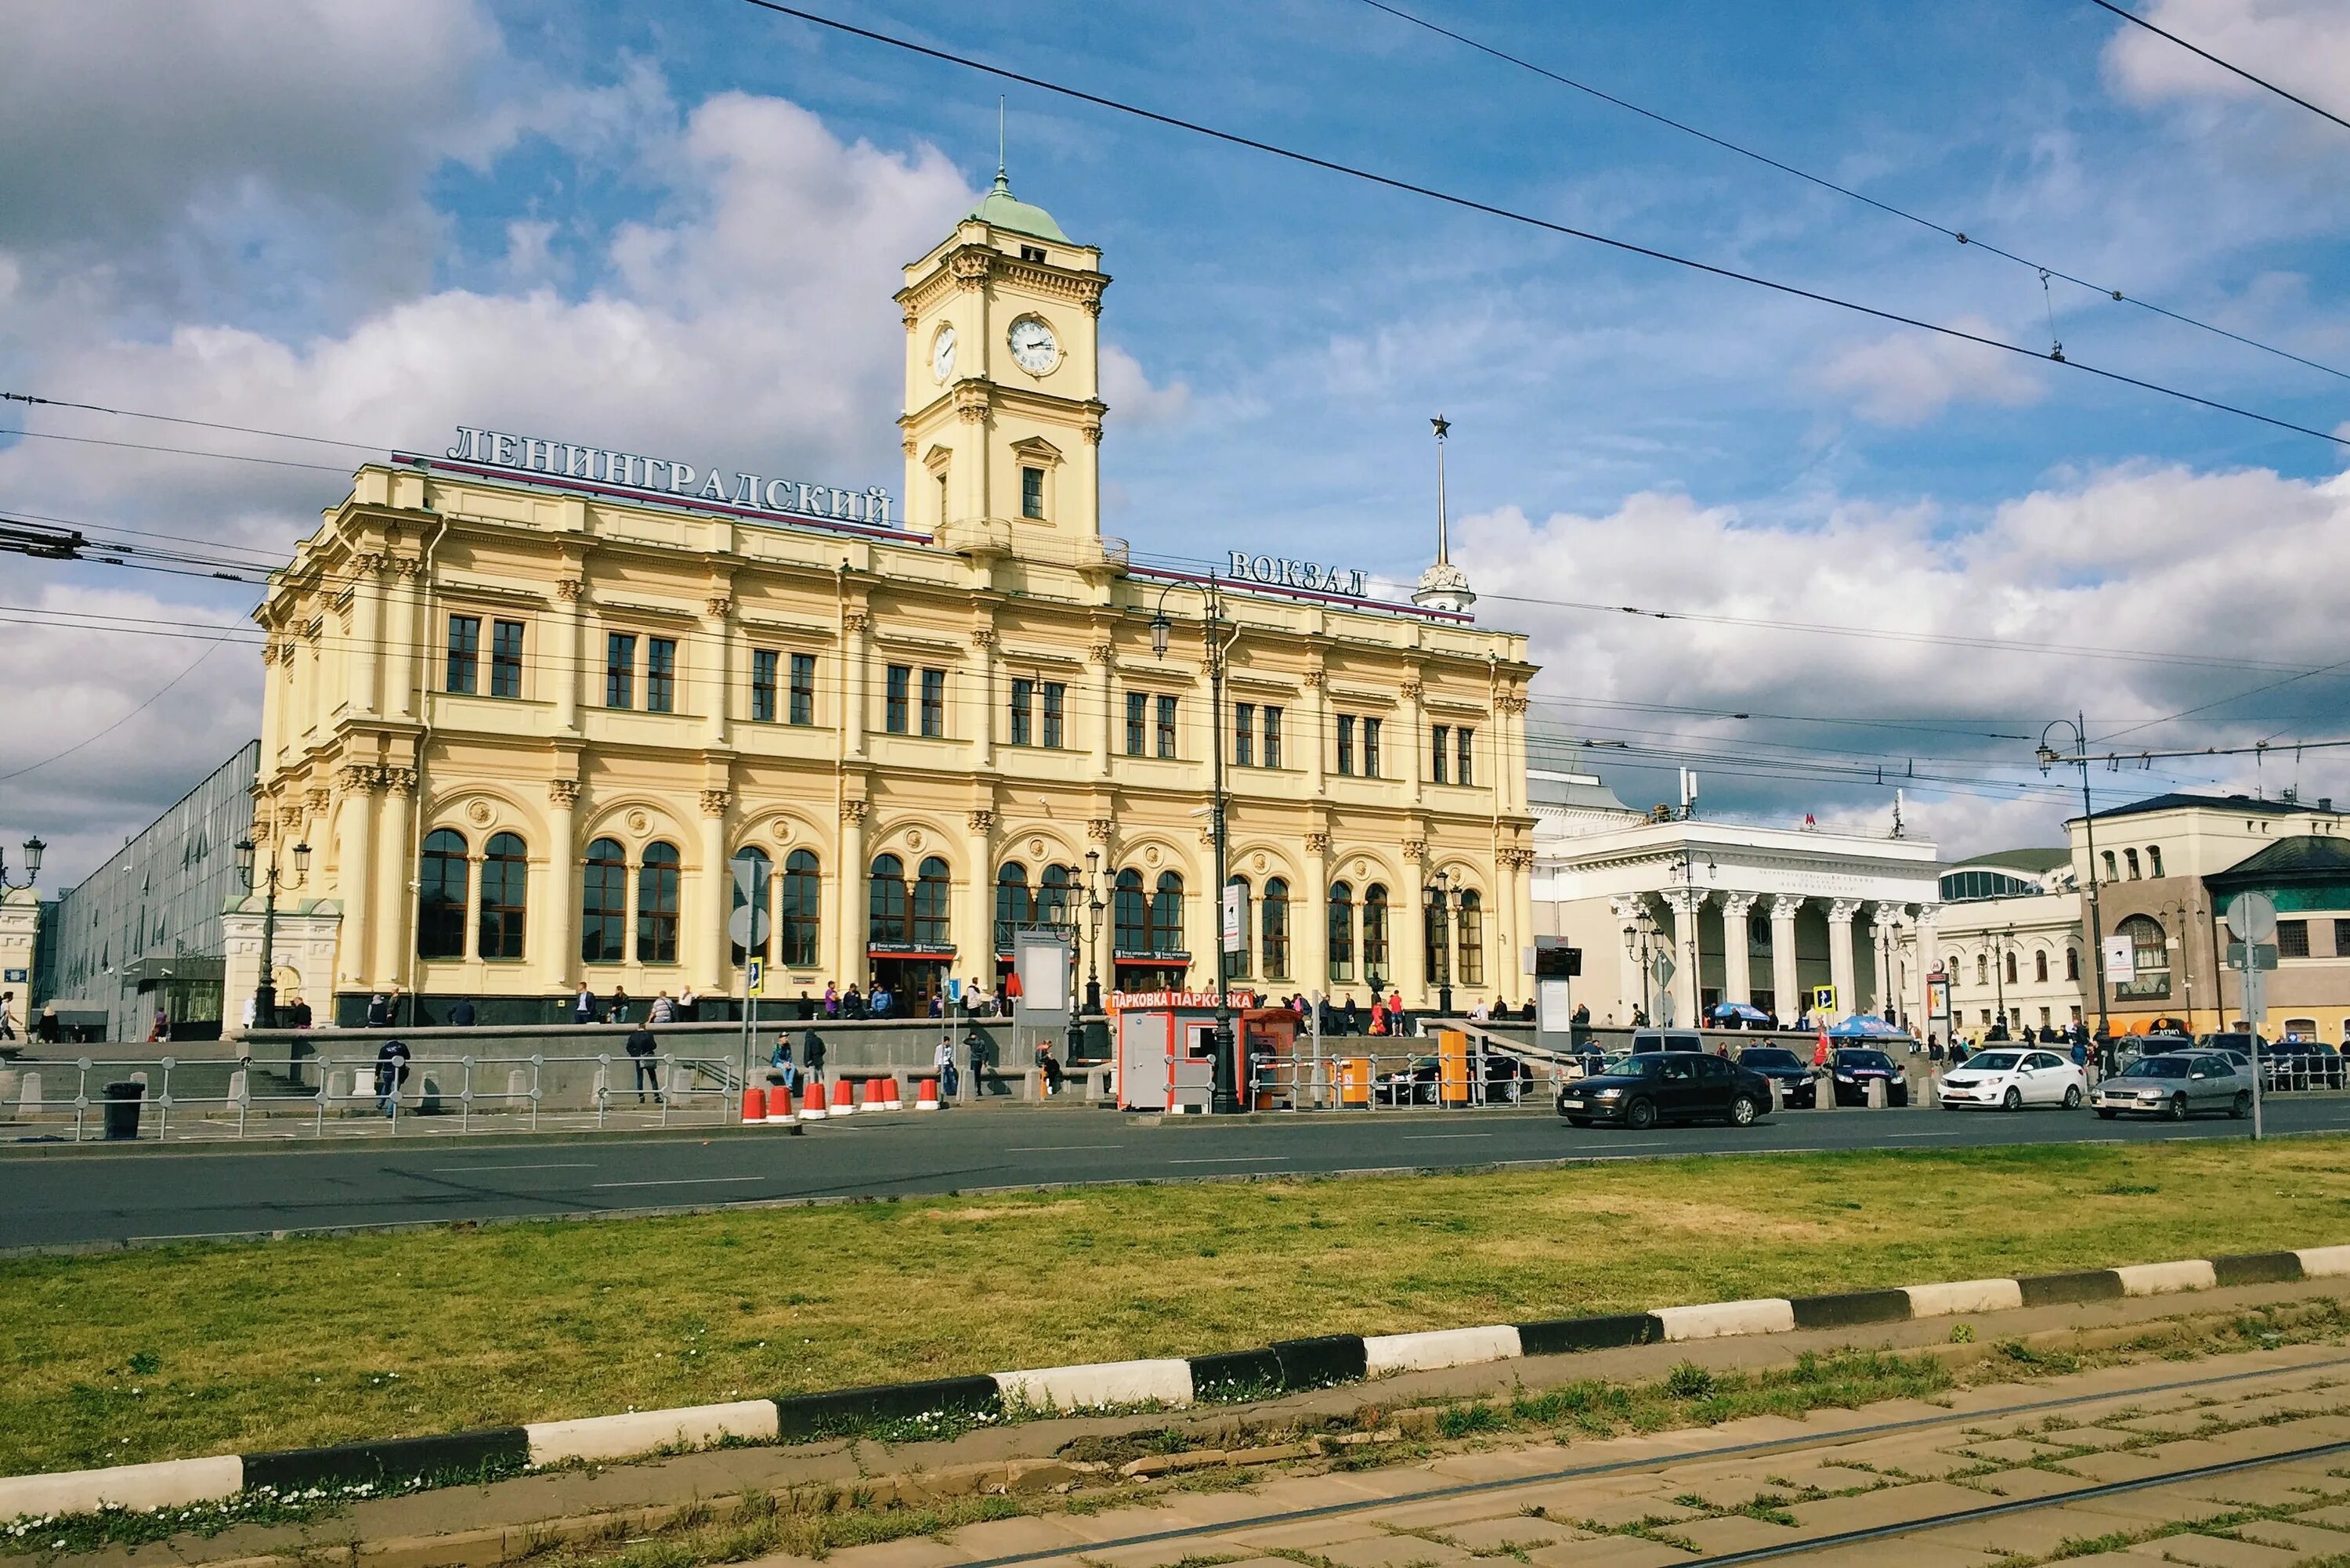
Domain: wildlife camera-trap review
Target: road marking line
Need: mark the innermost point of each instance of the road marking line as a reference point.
(468, 1169)
(1232, 1159)
(682, 1181)
(1951, 1132)
(1061, 1147)
(1443, 1137)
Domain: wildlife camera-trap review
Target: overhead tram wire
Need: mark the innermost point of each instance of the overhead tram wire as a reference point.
(2263, 82)
(31, 401)
(1508, 214)
(1963, 237)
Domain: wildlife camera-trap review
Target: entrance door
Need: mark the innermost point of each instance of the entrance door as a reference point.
(912, 983)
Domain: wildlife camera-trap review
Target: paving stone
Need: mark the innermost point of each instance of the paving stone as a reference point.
(1631, 1511)
(1158, 1553)
(1920, 1460)
(2210, 1551)
(1314, 1533)
(1501, 1464)
(2011, 1450)
(1445, 1514)
(2297, 1536)
(2116, 1467)
(2092, 1437)
(1386, 1550)
(1009, 1537)
(1893, 1505)
(1912, 1551)
(1614, 1552)
(2012, 1484)
(2336, 1515)
(2259, 1489)
(913, 1553)
(1486, 1536)
(1731, 1532)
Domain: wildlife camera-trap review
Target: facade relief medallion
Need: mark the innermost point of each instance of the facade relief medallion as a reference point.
(782, 830)
(913, 838)
(1151, 856)
(480, 813)
(638, 821)
(1260, 862)
(1036, 848)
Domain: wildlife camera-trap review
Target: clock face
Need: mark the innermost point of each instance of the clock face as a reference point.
(942, 352)
(1032, 348)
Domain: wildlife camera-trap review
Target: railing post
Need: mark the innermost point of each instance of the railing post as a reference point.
(534, 1062)
(465, 1099)
(82, 1099)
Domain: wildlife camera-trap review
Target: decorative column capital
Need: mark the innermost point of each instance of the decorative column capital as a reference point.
(408, 565)
(1627, 907)
(1927, 913)
(854, 811)
(1099, 828)
(354, 776)
(1883, 916)
(316, 800)
(1317, 844)
(1101, 653)
(1416, 850)
(261, 827)
(982, 638)
(1840, 913)
(715, 801)
(718, 607)
(564, 792)
(396, 781)
(1412, 689)
(857, 622)
(1685, 901)
(1512, 703)
(1315, 680)
(981, 821)
(1785, 906)
(1738, 906)
(371, 562)
(570, 590)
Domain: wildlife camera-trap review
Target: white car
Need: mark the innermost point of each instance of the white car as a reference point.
(2010, 1080)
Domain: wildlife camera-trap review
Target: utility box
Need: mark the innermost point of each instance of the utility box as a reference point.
(1165, 1046)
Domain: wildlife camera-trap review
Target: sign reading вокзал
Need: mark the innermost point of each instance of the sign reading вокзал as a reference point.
(670, 478)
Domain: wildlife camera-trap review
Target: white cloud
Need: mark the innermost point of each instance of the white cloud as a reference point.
(1126, 386)
(1908, 377)
(2302, 45)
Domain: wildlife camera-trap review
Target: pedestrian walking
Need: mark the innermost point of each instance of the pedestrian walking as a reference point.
(942, 1059)
(583, 1006)
(978, 1067)
(161, 1030)
(642, 1046)
(391, 1072)
(461, 1013)
(8, 1015)
(813, 1056)
(1051, 1067)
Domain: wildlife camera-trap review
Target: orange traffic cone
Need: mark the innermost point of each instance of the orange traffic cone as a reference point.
(871, 1099)
(890, 1100)
(779, 1104)
(812, 1109)
(755, 1105)
(844, 1097)
(926, 1095)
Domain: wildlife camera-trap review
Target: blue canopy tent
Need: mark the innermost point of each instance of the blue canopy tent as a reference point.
(1738, 1015)
(1867, 1026)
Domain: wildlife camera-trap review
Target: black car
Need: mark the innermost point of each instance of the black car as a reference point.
(1852, 1070)
(1789, 1070)
(1641, 1090)
(2299, 1065)
(1506, 1081)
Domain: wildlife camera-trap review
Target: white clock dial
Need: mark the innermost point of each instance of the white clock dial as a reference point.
(1032, 348)
(942, 353)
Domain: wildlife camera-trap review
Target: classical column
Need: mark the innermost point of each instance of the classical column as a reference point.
(976, 949)
(1633, 984)
(1840, 965)
(564, 672)
(1685, 903)
(1415, 733)
(387, 916)
(706, 960)
(983, 735)
(1309, 918)
(849, 891)
(1509, 782)
(1316, 738)
(556, 905)
(1786, 980)
(856, 624)
(1930, 959)
(1506, 926)
(1104, 661)
(368, 652)
(405, 641)
(1737, 967)
(1407, 931)
(717, 666)
(1883, 920)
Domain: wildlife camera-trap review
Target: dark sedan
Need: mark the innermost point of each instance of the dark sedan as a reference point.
(1853, 1071)
(1797, 1087)
(1640, 1091)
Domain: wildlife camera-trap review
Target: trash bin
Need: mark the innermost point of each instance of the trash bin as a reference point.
(123, 1103)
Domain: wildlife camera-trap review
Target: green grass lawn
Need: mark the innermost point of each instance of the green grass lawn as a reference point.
(208, 1349)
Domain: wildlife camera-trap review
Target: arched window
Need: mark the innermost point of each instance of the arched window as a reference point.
(2154, 861)
(2073, 964)
(1272, 929)
(803, 886)
(604, 903)
(759, 861)
(1236, 963)
(657, 905)
(441, 897)
(2149, 975)
(506, 888)
(2011, 969)
(1375, 933)
(1131, 914)
(1440, 943)
(1472, 937)
(2113, 872)
(886, 901)
(1982, 968)
(1342, 933)
(1166, 928)
(1013, 906)
(2129, 857)
(932, 893)
(2040, 968)
(1053, 896)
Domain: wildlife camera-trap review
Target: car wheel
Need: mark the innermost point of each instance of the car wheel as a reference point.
(2242, 1105)
(2106, 1114)
(2178, 1107)
(2072, 1097)
(1640, 1114)
(1742, 1111)
(2014, 1100)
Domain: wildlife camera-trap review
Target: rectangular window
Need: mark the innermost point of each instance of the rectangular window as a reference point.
(464, 651)
(1345, 743)
(1370, 748)
(660, 675)
(1440, 753)
(1244, 734)
(934, 703)
(896, 684)
(803, 688)
(1057, 702)
(1024, 704)
(1032, 492)
(1273, 737)
(506, 658)
(1136, 715)
(1464, 770)
(763, 685)
(2293, 938)
(1167, 726)
(2341, 939)
(619, 670)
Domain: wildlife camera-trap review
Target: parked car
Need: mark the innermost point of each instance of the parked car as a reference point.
(2012, 1079)
(1653, 1086)
(2176, 1084)
(2301, 1064)
(2156, 1041)
(1850, 1069)
(1506, 1078)
(1797, 1087)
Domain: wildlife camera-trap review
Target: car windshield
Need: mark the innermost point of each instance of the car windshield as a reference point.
(1876, 1060)
(1994, 1061)
(1769, 1058)
(2157, 1067)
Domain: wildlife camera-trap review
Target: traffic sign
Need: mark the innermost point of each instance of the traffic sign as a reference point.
(747, 926)
(757, 981)
(2261, 955)
(2253, 917)
(1236, 918)
(1823, 999)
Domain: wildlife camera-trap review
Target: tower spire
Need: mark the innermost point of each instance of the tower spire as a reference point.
(1443, 530)
(1443, 586)
(1003, 182)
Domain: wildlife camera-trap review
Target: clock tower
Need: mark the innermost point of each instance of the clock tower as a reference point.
(1004, 415)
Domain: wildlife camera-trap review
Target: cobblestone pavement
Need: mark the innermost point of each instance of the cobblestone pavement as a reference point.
(2238, 1462)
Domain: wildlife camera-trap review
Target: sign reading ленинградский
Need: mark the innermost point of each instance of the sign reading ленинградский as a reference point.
(668, 477)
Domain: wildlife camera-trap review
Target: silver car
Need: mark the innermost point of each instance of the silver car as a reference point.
(2176, 1084)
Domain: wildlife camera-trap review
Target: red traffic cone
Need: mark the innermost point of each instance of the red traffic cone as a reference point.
(755, 1105)
(812, 1109)
(890, 1100)
(872, 1099)
(926, 1095)
(844, 1097)
(779, 1104)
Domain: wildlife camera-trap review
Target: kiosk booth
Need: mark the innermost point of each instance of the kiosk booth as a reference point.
(1165, 1042)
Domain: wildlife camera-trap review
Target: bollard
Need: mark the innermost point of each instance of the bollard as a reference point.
(844, 1097)
(926, 1095)
(779, 1106)
(1933, 1090)
(31, 1097)
(1824, 1095)
(1879, 1096)
(1778, 1102)
(7, 1084)
(338, 1085)
(812, 1106)
(236, 1087)
(890, 1100)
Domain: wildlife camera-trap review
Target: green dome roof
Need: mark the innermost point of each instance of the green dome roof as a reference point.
(1000, 208)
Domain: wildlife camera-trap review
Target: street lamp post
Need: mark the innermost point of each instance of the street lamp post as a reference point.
(1999, 975)
(33, 851)
(264, 994)
(1093, 930)
(2049, 758)
(1226, 1099)
(1441, 940)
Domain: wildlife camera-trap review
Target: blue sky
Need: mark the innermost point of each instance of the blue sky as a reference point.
(643, 224)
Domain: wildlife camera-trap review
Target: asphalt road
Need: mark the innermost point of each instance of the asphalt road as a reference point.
(149, 1195)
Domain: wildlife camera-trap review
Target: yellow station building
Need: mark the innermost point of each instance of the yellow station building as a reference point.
(528, 699)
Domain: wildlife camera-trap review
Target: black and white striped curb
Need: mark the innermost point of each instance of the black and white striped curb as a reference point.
(1284, 1367)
